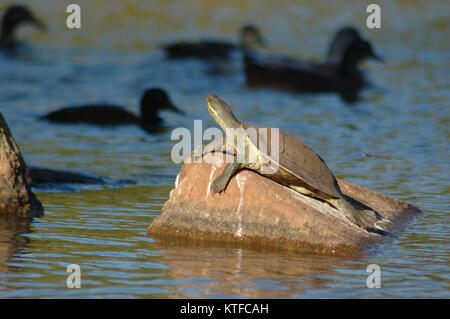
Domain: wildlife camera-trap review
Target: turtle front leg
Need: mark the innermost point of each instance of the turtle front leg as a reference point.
(220, 183)
(208, 147)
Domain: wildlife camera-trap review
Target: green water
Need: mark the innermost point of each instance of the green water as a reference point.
(115, 56)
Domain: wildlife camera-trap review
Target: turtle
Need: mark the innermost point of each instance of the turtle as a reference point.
(298, 166)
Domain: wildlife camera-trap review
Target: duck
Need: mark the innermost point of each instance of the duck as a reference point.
(343, 76)
(250, 37)
(152, 101)
(15, 16)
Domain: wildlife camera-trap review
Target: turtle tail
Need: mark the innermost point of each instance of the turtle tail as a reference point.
(362, 218)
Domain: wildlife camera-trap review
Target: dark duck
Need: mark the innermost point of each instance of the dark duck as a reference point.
(15, 16)
(250, 37)
(339, 73)
(152, 101)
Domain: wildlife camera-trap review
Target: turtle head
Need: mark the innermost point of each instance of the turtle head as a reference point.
(221, 113)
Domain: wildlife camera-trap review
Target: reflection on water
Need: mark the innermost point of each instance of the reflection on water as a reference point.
(12, 240)
(245, 273)
(114, 57)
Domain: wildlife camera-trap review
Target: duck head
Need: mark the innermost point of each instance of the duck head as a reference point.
(251, 38)
(356, 52)
(15, 16)
(152, 101)
(340, 42)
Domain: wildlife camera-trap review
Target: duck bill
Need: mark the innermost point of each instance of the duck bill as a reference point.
(263, 45)
(38, 24)
(173, 108)
(376, 57)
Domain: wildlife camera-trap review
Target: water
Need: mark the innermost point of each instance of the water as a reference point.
(115, 56)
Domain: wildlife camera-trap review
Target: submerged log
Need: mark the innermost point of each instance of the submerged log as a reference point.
(16, 197)
(256, 211)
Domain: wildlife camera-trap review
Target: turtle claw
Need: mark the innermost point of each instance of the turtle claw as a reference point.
(220, 183)
(218, 186)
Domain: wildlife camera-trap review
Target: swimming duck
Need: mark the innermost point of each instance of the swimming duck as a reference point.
(343, 77)
(152, 101)
(15, 16)
(250, 37)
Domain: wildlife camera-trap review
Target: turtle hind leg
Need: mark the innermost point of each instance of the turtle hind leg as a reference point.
(366, 218)
(363, 218)
(221, 182)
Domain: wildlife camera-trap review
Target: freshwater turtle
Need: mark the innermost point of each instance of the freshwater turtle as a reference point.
(297, 167)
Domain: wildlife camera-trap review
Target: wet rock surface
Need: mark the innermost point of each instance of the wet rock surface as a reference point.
(255, 211)
(16, 197)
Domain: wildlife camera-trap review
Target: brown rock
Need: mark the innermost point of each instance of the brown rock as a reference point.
(16, 197)
(254, 210)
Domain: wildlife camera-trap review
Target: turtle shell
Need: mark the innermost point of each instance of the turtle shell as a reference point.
(297, 163)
